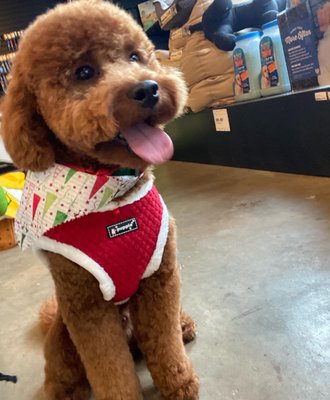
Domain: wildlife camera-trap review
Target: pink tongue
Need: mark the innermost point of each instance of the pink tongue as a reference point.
(151, 144)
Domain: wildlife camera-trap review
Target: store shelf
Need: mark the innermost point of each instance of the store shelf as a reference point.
(286, 133)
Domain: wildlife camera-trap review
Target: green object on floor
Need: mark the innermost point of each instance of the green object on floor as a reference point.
(3, 202)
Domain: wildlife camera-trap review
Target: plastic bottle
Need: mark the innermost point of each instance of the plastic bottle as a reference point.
(274, 78)
(246, 66)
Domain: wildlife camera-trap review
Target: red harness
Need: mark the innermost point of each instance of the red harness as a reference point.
(127, 243)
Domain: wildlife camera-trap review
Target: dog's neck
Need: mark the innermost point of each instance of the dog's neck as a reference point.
(66, 156)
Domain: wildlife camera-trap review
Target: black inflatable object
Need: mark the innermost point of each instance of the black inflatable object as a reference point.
(222, 19)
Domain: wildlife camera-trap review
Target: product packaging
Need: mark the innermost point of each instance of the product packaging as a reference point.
(246, 66)
(274, 78)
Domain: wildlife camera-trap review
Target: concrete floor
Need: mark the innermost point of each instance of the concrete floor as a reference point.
(255, 252)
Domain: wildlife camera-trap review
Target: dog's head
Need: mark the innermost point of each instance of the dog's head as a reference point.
(86, 80)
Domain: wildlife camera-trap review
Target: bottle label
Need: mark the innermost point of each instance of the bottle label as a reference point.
(241, 82)
(269, 73)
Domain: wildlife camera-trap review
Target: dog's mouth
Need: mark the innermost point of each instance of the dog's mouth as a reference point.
(151, 144)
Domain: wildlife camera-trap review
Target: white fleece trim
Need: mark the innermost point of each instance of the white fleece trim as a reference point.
(130, 198)
(77, 256)
(156, 258)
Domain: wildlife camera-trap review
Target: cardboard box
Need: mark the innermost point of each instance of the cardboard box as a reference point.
(7, 235)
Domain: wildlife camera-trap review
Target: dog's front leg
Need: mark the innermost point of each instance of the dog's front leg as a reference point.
(155, 312)
(95, 328)
(65, 376)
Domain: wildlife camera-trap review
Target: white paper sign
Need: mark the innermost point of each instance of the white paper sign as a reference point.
(221, 120)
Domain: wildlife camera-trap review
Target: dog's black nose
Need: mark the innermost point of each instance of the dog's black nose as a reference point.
(146, 93)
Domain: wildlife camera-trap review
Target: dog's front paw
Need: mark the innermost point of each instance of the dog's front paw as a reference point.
(59, 392)
(188, 391)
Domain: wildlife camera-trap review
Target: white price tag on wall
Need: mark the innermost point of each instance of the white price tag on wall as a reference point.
(321, 96)
(221, 120)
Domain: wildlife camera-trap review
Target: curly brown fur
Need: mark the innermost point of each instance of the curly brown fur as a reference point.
(50, 116)
(48, 312)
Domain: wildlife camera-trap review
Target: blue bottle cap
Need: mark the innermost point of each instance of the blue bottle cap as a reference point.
(248, 35)
(269, 24)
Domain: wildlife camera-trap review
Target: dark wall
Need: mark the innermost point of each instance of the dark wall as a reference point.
(17, 14)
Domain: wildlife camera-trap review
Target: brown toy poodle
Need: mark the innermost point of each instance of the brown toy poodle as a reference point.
(83, 115)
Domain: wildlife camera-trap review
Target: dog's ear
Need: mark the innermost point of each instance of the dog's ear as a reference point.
(23, 129)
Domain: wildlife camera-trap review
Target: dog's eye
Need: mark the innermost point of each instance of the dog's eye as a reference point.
(84, 73)
(134, 57)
